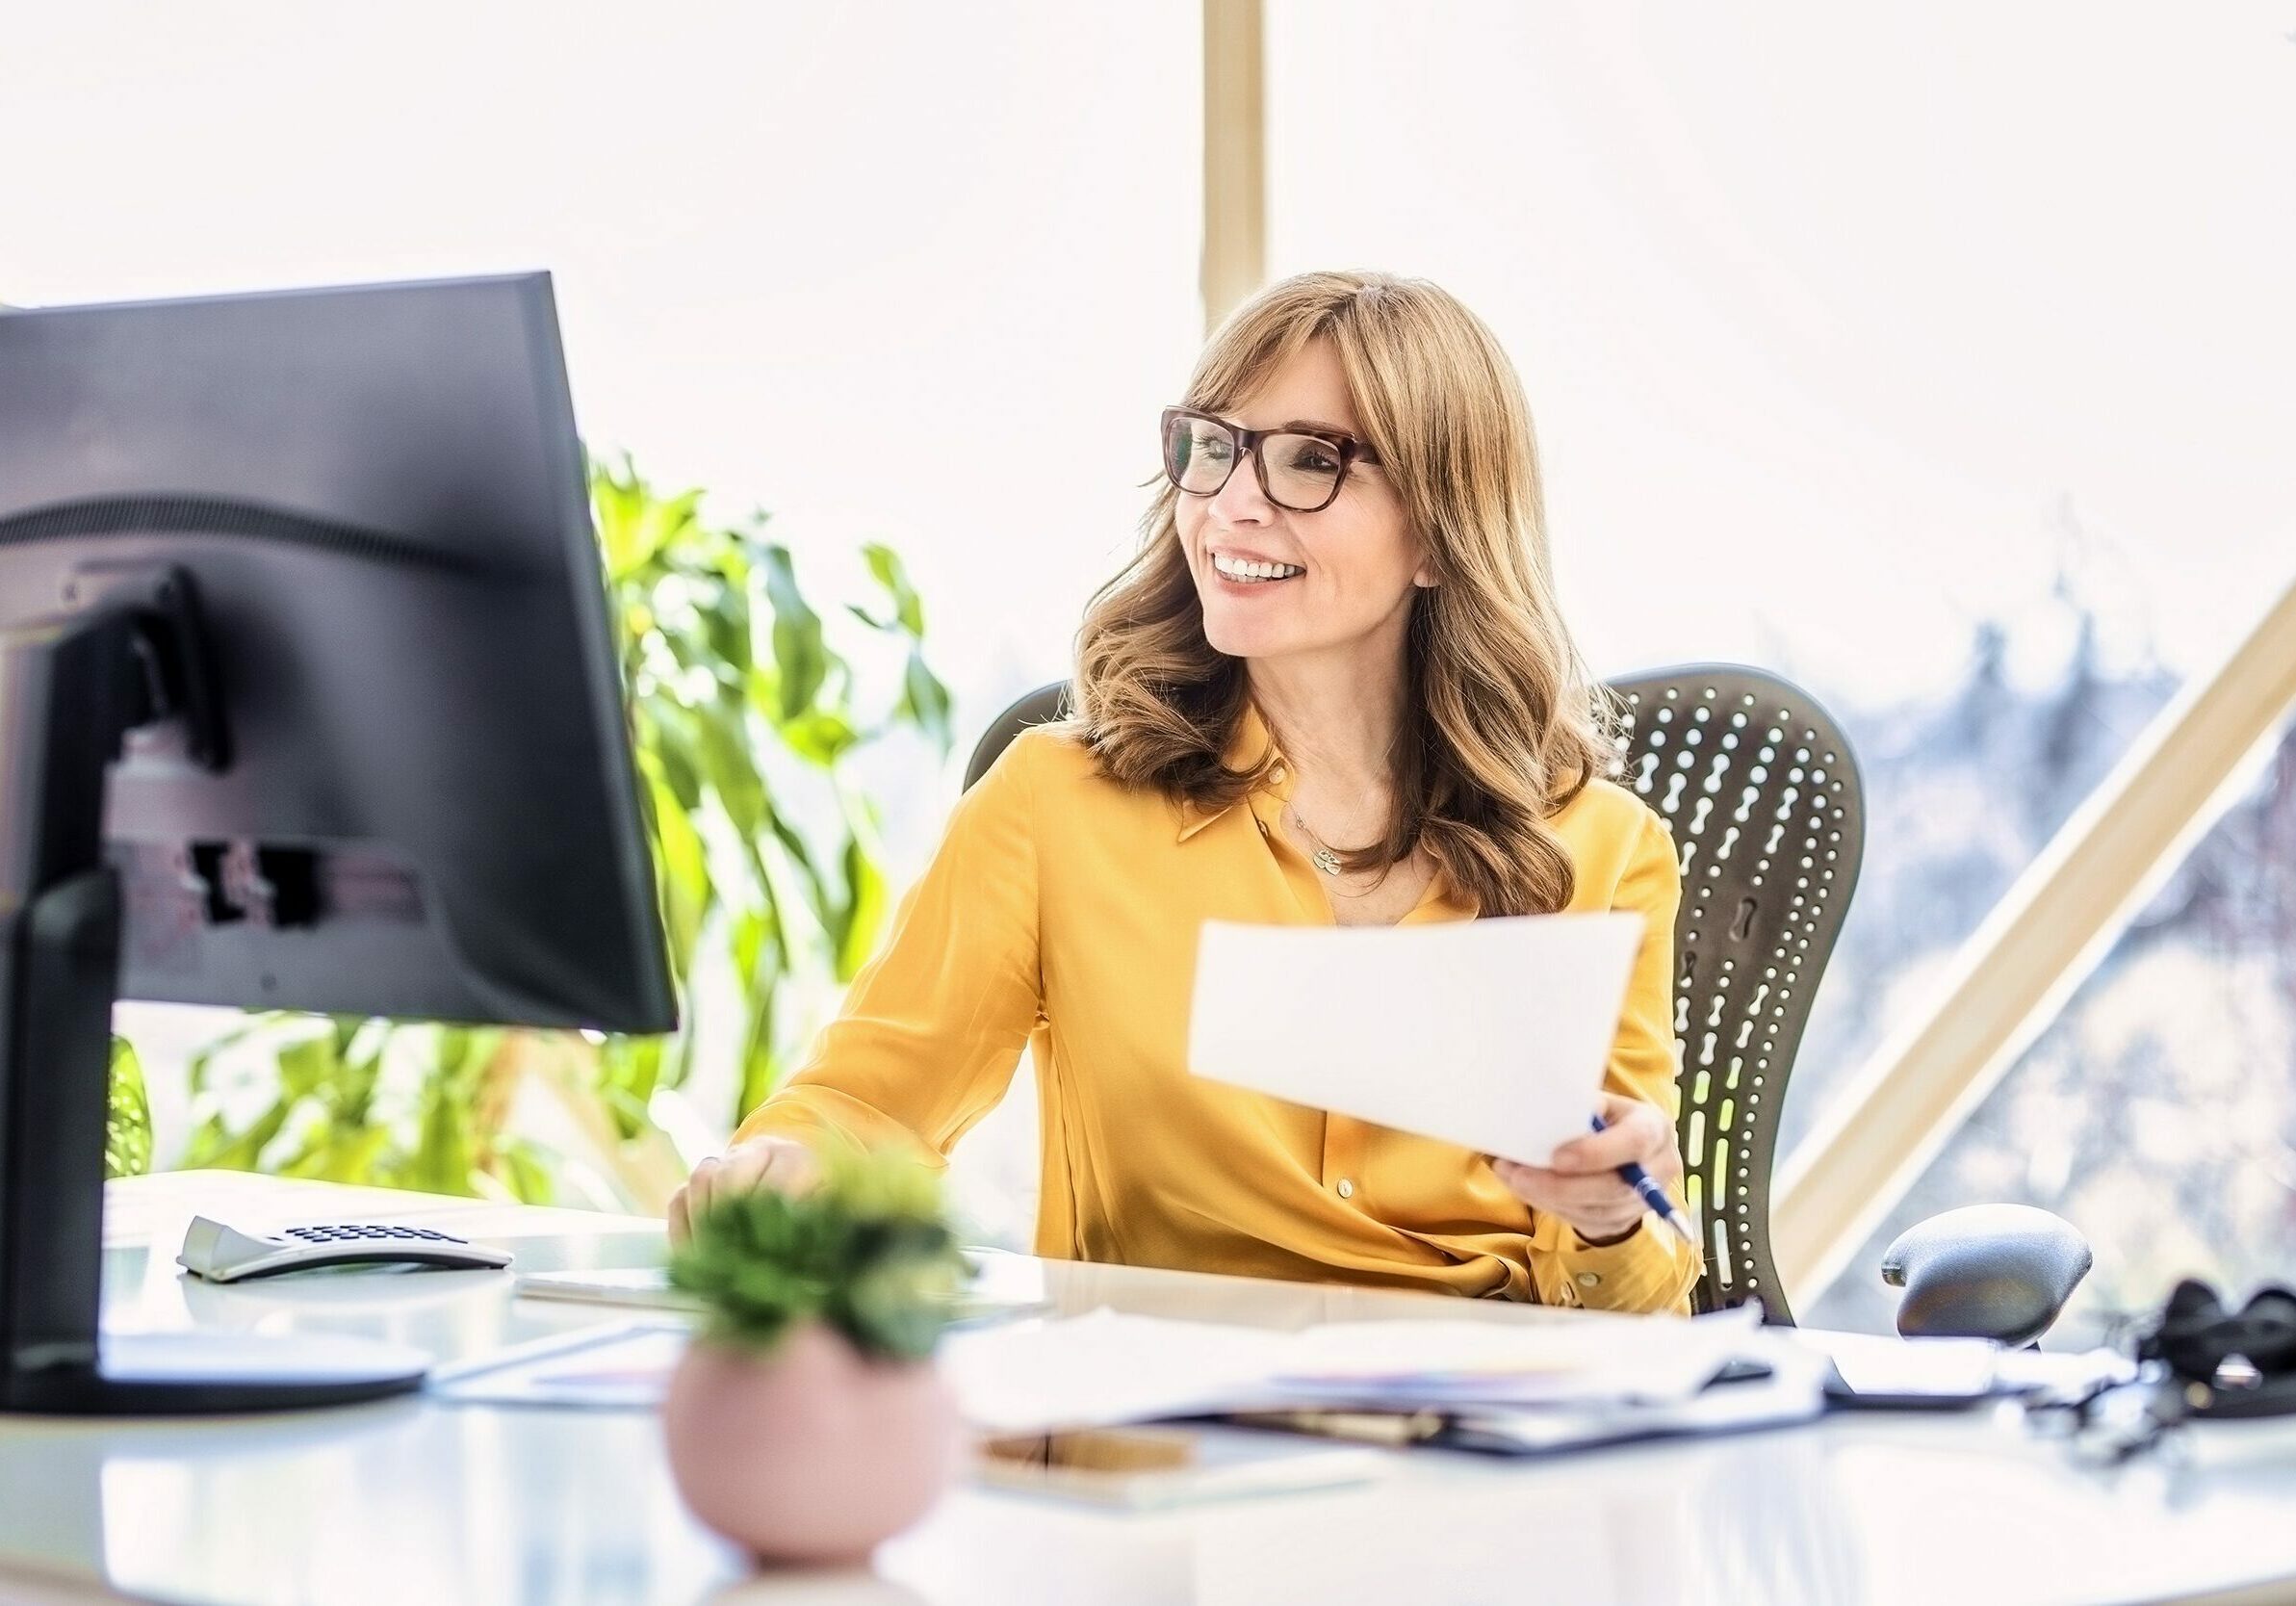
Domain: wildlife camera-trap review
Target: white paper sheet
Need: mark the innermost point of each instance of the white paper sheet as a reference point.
(1109, 1368)
(1871, 1363)
(1488, 1033)
(1104, 1367)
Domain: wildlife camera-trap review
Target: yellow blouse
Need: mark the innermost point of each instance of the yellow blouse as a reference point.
(1061, 911)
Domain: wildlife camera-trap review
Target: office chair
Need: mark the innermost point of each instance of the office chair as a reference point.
(1762, 794)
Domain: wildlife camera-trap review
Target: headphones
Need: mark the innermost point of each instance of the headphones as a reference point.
(2230, 1363)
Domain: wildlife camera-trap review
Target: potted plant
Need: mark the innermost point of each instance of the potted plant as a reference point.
(806, 1421)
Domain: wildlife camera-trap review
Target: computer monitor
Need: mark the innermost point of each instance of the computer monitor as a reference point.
(309, 699)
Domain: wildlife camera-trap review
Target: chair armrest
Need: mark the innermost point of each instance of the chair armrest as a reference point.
(1986, 1271)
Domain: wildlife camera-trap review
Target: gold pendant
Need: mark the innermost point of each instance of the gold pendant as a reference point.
(1327, 861)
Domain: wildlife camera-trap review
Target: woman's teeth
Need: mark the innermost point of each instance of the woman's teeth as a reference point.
(1235, 568)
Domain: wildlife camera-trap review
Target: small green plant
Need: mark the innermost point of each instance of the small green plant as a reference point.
(870, 1252)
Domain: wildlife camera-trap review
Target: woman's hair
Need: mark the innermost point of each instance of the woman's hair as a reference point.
(1503, 725)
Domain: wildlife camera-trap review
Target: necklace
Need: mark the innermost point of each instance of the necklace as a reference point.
(1326, 860)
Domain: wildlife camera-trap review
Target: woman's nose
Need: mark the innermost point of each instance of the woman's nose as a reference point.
(1242, 500)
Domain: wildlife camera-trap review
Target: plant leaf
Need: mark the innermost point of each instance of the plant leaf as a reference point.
(127, 1116)
(925, 701)
(908, 607)
(798, 649)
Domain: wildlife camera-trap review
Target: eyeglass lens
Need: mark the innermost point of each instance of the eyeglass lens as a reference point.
(1298, 471)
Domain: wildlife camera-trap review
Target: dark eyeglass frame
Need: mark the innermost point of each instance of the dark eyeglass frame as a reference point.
(1347, 448)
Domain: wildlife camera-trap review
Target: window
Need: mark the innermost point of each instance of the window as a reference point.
(1934, 359)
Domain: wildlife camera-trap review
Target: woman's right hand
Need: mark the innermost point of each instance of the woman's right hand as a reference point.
(765, 1161)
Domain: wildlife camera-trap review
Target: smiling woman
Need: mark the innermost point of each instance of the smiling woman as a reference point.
(1355, 642)
(1393, 447)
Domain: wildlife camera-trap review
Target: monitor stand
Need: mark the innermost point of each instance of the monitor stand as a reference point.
(124, 649)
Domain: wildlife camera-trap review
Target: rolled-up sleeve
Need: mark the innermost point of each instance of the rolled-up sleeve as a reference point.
(934, 1025)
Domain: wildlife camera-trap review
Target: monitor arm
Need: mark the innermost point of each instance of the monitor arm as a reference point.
(71, 685)
(123, 649)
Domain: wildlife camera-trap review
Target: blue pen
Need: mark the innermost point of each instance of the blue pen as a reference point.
(1652, 1194)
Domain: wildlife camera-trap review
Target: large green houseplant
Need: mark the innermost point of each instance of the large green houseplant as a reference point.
(745, 705)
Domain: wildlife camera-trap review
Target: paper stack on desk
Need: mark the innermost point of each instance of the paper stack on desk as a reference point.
(1106, 1367)
(1431, 1365)
(1489, 1033)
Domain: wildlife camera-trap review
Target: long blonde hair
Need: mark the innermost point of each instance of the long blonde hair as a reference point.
(1511, 727)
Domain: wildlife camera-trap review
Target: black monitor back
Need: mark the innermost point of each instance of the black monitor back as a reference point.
(429, 808)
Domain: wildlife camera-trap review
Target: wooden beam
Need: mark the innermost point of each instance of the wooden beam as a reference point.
(1235, 157)
(2040, 942)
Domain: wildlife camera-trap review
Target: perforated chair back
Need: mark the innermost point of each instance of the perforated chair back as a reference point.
(1761, 792)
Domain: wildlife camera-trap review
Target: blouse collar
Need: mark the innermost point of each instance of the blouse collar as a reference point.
(1249, 746)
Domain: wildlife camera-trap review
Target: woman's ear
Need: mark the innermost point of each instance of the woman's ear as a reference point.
(1423, 576)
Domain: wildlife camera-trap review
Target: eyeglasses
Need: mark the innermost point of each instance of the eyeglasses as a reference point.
(1299, 470)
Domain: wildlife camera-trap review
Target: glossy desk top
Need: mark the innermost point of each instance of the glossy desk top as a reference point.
(413, 1502)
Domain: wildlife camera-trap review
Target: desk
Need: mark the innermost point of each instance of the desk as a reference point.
(406, 1501)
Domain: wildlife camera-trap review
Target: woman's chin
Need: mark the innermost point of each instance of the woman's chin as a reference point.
(1240, 638)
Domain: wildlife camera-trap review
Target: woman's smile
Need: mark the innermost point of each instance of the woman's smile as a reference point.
(1237, 573)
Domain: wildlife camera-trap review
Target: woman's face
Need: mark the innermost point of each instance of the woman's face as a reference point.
(1348, 568)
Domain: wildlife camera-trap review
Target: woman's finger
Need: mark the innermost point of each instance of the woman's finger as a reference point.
(1603, 1217)
(1638, 1133)
(1568, 1194)
(1604, 1151)
(698, 1188)
(1561, 1194)
(770, 1162)
(760, 1163)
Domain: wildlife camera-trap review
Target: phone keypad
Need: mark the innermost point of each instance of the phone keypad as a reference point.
(352, 1231)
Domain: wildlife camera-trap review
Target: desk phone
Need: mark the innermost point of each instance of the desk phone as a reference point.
(223, 1253)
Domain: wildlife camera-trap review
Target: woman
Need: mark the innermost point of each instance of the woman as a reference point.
(1330, 688)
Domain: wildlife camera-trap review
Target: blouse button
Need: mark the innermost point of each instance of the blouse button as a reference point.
(1346, 1188)
(1277, 775)
(1590, 1280)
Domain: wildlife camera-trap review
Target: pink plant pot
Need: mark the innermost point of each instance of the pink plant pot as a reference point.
(808, 1453)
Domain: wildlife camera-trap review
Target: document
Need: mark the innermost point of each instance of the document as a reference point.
(1871, 1365)
(1103, 1368)
(1107, 1367)
(1789, 1390)
(1491, 1033)
(1417, 1364)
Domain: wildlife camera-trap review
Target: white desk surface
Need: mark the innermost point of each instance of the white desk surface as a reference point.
(407, 1501)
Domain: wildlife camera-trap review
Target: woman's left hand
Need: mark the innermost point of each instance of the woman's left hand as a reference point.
(1582, 1186)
